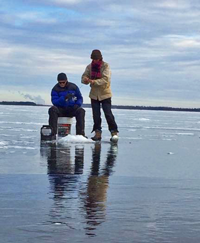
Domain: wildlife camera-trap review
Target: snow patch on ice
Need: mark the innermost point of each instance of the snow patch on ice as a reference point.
(169, 139)
(132, 130)
(20, 123)
(143, 119)
(173, 128)
(74, 139)
(21, 147)
(23, 129)
(131, 138)
(3, 144)
(185, 134)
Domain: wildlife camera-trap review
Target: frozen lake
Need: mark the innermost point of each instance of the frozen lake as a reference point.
(146, 189)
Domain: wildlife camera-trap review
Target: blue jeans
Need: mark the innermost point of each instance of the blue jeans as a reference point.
(96, 111)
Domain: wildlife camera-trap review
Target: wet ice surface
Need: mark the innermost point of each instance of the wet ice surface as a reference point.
(146, 189)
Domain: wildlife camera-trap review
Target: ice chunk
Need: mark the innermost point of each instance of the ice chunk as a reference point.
(74, 139)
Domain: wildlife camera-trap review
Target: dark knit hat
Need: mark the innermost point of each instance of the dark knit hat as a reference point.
(96, 54)
(62, 76)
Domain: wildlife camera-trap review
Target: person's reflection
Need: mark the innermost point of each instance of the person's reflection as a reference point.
(95, 201)
(71, 192)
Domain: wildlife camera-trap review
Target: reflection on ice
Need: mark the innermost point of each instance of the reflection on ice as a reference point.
(146, 188)
(72, 189)
(97, 185)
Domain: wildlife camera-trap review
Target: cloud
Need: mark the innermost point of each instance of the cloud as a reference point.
(151, 46)
(71, 2)
(174, 4)
(188, 43)
(37, 99)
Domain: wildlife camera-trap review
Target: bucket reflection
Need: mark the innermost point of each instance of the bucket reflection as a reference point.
(79, 197)
(62, 170)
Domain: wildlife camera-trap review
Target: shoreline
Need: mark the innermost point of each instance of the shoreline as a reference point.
(126, 107)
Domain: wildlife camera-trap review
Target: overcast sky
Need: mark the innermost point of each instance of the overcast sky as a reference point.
(152, 46)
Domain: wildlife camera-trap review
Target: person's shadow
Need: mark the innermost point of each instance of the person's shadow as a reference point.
(69, 186)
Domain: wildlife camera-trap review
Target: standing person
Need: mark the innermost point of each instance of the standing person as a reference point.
(67, 101)
(98, 75)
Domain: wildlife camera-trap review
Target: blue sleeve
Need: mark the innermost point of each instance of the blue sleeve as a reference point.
(57, 100)
(79, 100)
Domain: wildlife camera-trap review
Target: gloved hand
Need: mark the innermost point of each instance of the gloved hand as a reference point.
(68, 96)
(86, 80)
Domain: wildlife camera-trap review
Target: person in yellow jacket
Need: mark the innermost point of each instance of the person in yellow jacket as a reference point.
(98, 75)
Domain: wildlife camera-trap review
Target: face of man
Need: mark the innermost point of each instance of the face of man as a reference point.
(62, 83)
(96, 60)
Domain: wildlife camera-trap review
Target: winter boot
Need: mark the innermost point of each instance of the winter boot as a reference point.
(114, 137)
(97, 136)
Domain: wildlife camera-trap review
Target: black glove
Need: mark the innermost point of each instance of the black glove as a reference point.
(68, 96)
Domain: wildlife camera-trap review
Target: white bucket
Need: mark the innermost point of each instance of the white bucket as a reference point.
(65, 120)
(64, 126)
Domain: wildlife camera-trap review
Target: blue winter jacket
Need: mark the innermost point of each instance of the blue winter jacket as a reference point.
(58, 95)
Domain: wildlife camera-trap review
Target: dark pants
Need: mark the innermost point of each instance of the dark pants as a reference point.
(96, 110)
(79, 114)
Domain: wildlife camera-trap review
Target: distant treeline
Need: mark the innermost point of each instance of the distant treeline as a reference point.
(18, 103)
(157, 108)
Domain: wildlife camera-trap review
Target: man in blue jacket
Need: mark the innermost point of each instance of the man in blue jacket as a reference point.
(67, 101)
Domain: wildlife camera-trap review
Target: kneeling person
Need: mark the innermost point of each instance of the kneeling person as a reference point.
(67, 101)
